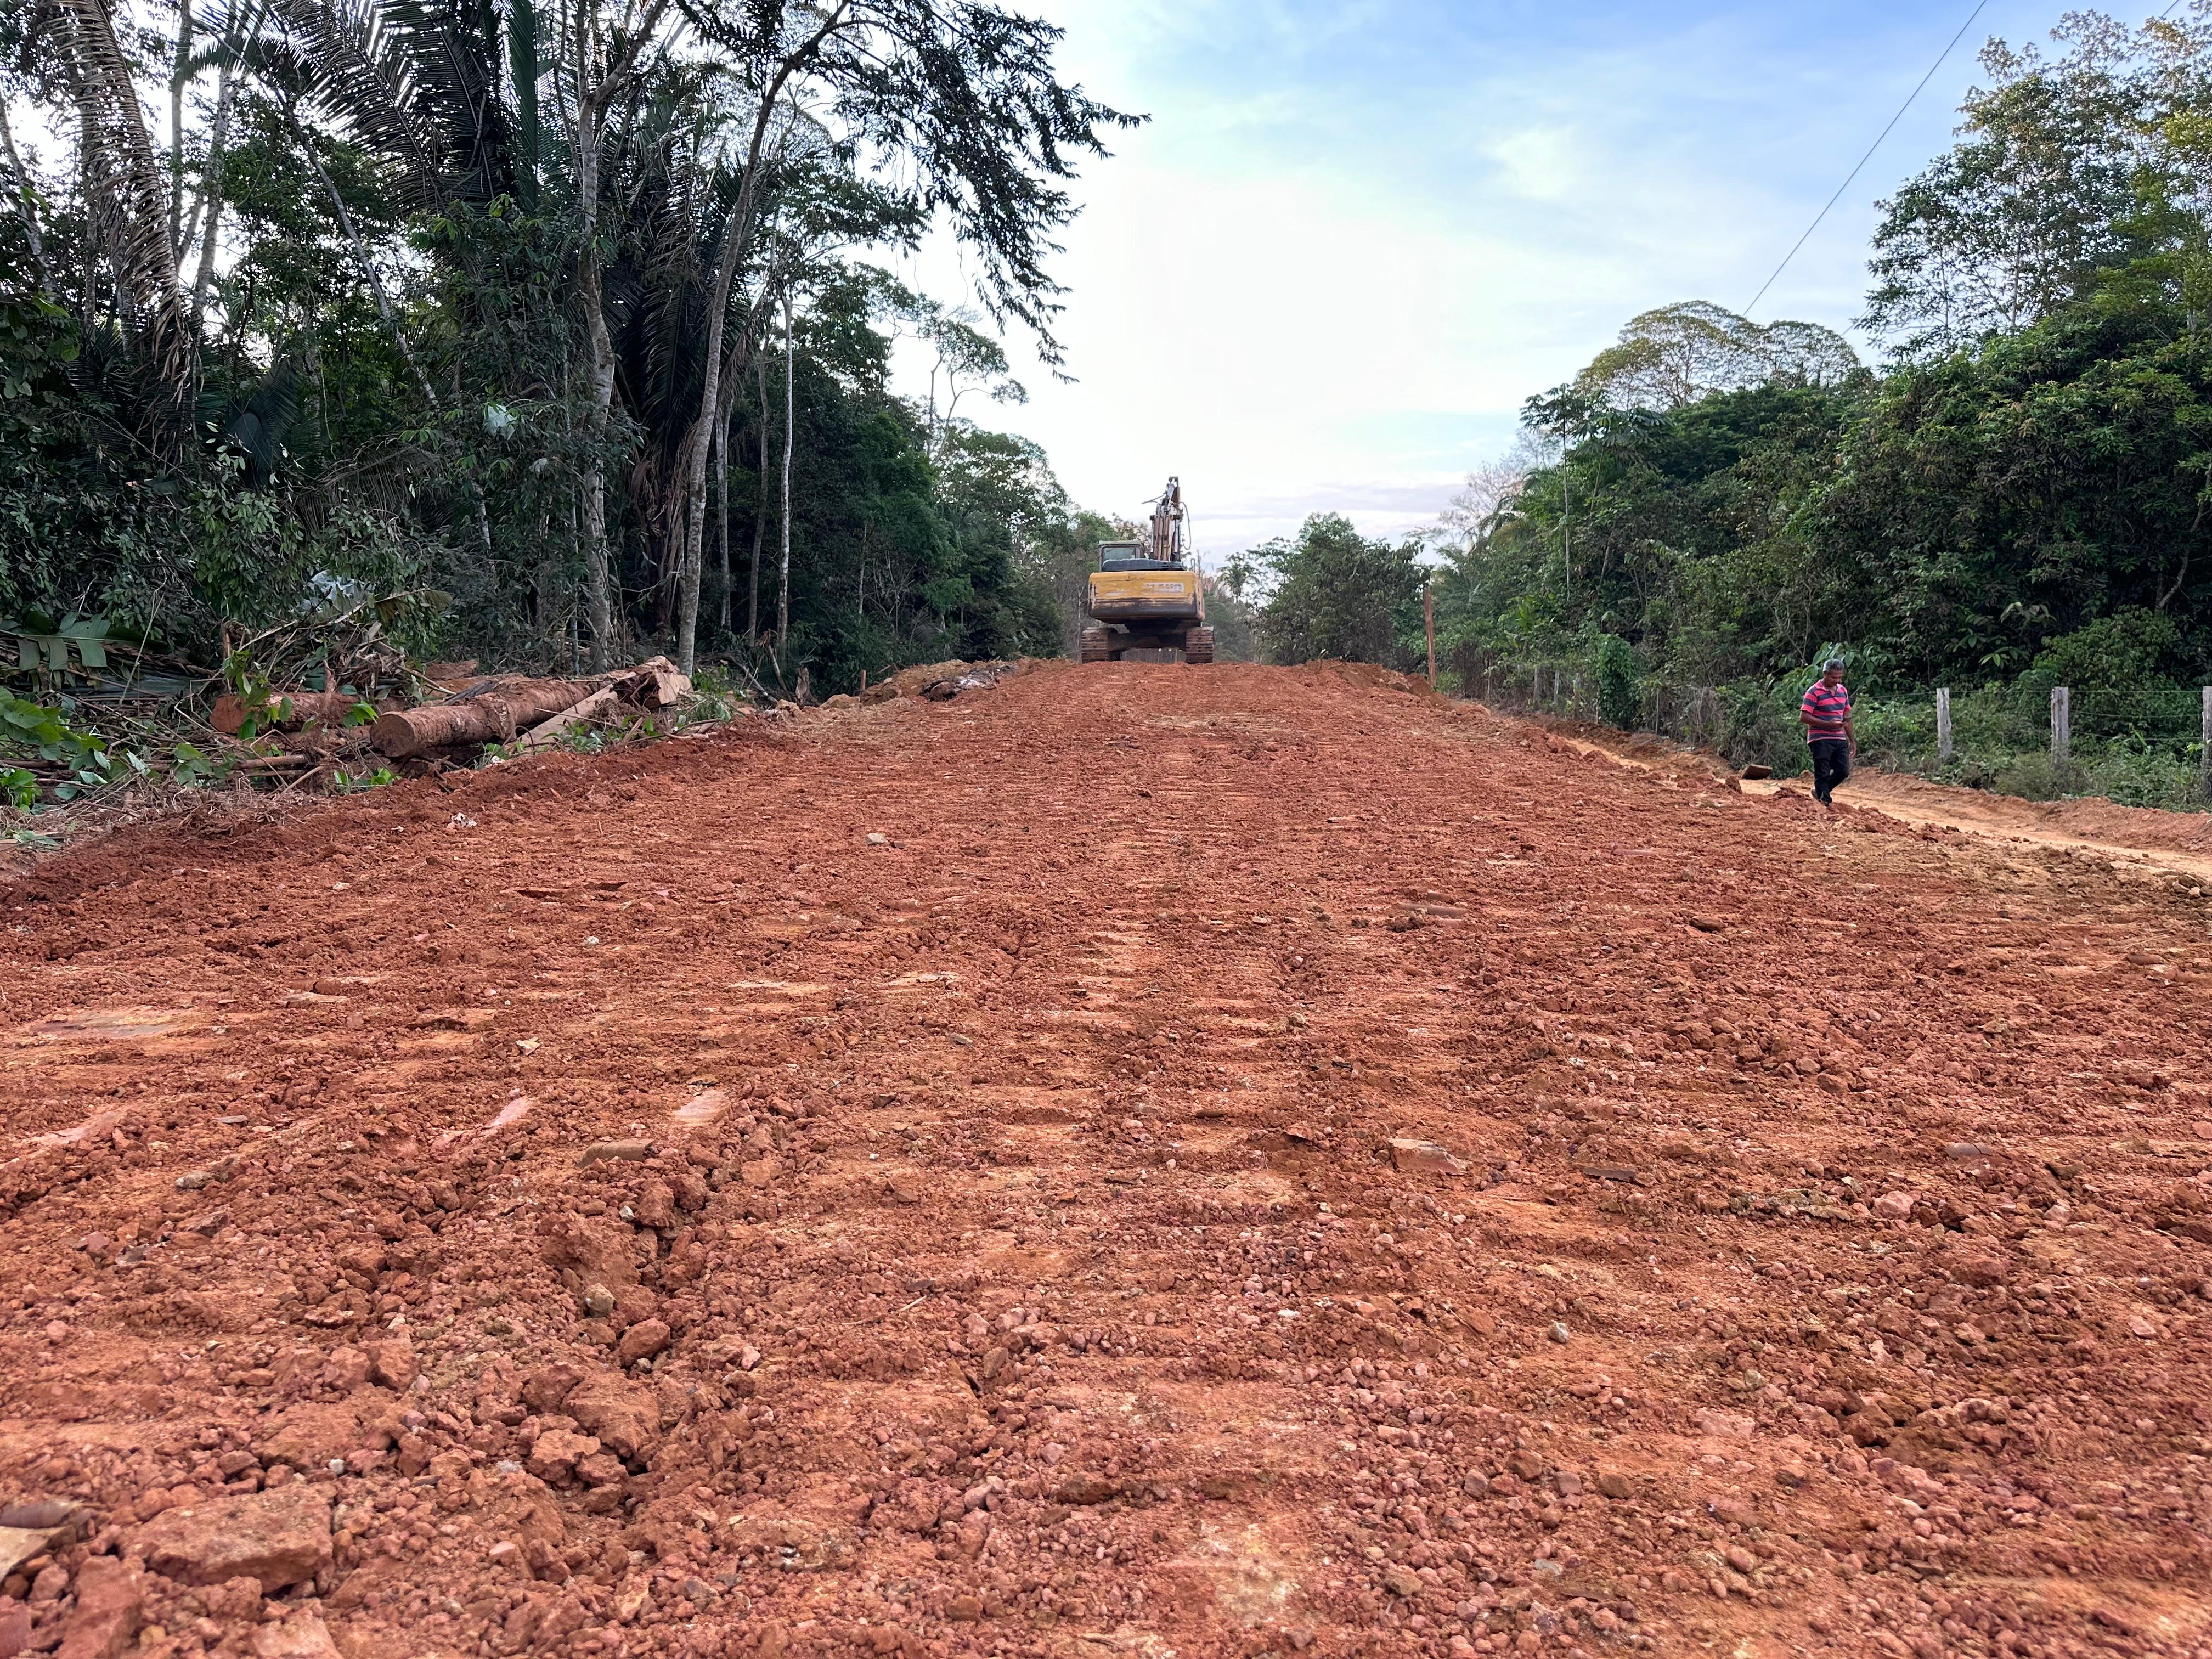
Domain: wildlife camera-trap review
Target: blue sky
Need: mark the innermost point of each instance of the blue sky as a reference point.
(1355, 236)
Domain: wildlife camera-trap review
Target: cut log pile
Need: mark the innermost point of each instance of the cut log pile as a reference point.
(531, 713)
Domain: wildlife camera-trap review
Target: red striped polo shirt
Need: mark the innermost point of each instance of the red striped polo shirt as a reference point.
(1826, 707)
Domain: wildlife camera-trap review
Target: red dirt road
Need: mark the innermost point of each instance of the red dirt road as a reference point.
(1249, 1162)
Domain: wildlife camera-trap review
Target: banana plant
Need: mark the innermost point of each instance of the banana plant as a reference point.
(44, 647)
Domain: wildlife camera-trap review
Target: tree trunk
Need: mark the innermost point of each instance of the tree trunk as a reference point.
(692, 493)
(598, 88)
(29, 199)
(211, 193)
(177, 79)
(783, 573)
(598, 383)
(722, 517)
(760, 514)
(495, 716)
(737, 237)
(367, 263)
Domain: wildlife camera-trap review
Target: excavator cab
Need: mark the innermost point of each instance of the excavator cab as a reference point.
(1146, 595)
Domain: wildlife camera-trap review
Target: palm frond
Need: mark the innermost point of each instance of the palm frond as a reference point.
(364, 77)
(453, 48)
(522, 74)
(127, 197)
(258, 422)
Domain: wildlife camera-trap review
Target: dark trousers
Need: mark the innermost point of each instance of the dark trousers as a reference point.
(1831, 764)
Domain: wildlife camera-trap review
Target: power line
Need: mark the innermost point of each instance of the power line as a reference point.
(1980, 6)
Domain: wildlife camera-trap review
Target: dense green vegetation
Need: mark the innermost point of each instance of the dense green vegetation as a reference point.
(2017, 498)
(1331, 593)
(530, 313)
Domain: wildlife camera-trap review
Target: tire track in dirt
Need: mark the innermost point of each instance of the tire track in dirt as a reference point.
(1250, 1160)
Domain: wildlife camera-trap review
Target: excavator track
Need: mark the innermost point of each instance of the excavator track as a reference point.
(1198, 645)
(1093, 646)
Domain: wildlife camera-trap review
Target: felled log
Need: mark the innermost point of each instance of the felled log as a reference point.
(657, 687)
(652, 683)
(283, 709)
(498, 711)
(546, 735)
(493, 716)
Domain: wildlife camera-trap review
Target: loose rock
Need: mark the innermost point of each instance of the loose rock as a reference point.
(642, 1341)
(300, 1635)
(1424, 1157)
(632, 1152)
(281, 1538)
(109, 1596)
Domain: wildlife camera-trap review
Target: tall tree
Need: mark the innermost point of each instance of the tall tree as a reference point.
(957, 100)
(604, 45)
(2038, 197)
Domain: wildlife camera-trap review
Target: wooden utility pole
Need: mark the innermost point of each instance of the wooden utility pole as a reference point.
(2062, 724)
(1943, 723)
(1429, 618)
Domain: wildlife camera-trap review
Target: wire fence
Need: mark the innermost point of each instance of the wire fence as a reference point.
(2141, 745)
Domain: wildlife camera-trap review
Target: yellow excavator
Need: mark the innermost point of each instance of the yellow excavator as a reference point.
(1145, 595)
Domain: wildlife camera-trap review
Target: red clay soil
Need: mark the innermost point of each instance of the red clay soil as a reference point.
(1137, 1160)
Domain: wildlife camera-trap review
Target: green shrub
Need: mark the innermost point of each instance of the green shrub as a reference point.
(2130, 648)
(1898, 737)
(2035, 776)
(2136, 771)
(2001, 719)
(1757, 730)
(1620, 693)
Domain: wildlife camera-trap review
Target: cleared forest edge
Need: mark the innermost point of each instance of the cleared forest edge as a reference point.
(1129, 1159)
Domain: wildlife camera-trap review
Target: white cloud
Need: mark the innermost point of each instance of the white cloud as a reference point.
(1538, 164)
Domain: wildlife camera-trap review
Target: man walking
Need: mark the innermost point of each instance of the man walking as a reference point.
(1825, 714)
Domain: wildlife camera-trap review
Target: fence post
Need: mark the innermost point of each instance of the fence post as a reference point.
(1429, 619)
(1943, 722)
(2205, 753)
(2062, 724)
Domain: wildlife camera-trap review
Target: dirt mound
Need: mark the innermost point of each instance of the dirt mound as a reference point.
(1146, 1159)
(950, 678)
(1366, 675)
